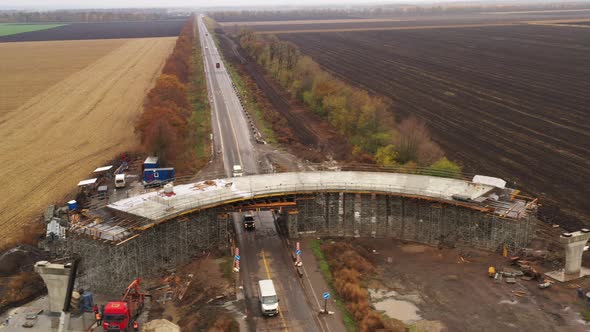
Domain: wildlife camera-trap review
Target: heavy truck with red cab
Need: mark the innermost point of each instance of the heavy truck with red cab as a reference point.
(120, 315)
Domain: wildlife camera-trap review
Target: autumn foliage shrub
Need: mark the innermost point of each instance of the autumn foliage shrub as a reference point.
(163, 126)
(348, 266)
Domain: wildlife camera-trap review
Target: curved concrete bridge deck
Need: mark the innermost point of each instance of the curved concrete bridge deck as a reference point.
(157, 206)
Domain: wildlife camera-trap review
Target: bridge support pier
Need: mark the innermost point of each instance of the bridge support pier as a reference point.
(56, 278)
(574, 244)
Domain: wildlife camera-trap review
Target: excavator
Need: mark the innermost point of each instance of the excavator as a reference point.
(119, 315)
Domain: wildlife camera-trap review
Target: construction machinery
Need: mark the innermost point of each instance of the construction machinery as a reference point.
(491, 271)
(119, 315)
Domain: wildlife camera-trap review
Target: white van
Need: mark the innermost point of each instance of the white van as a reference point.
(237, 171)
(120, 180)
(269, 302)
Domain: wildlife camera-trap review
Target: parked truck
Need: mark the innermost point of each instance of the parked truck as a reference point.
(120, 315)
(154, 177)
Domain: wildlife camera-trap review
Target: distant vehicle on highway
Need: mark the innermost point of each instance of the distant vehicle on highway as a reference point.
(249, 221)
(269, 302)
(217, 65)
(237, 171)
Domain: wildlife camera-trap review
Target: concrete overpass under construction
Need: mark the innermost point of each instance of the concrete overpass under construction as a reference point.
(165, 228)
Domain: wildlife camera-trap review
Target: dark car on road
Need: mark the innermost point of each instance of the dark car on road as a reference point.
(249, 221)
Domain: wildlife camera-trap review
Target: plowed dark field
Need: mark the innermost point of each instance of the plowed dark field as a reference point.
(107, 30)
(402, 23)
(511, 101)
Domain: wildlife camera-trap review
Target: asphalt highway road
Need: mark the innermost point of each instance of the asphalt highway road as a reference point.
(263, 253)
(232, 135)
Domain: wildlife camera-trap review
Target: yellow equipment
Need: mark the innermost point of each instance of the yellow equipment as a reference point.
(491, 271)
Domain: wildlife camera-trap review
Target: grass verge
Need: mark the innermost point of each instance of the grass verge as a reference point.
(251, 104)
(325, 269)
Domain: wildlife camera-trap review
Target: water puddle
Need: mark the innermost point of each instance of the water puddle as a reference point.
(387, 302)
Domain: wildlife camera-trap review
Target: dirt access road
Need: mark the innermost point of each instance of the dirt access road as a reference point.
(57, 137)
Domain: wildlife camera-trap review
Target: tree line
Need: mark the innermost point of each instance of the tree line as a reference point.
(367, 121)
(163, 127)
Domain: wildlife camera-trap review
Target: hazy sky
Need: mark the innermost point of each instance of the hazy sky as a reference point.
(53, 4)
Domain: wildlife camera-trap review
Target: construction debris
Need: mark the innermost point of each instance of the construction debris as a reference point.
(498, 278)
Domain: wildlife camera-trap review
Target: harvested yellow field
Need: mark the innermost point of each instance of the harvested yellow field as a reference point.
(29, 68)
(57, 137)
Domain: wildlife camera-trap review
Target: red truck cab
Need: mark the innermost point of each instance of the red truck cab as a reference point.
(117, 316)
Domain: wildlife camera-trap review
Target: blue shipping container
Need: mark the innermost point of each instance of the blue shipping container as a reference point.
(151, 162)
(161, 175)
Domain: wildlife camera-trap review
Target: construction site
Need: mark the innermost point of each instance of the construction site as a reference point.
(134, 231)
(343, 245)
(165, 228)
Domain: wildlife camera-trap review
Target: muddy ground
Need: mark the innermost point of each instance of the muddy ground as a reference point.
(452, 291)
(197, 296)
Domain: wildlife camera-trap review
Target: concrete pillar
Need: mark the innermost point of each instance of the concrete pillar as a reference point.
(574, 248)
(56, 278)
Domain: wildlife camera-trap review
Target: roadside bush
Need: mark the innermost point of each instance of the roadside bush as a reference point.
(445, 168)
(372, 322)
(348, 265)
